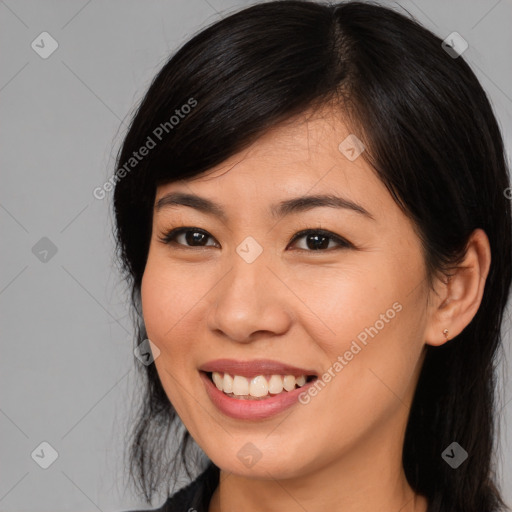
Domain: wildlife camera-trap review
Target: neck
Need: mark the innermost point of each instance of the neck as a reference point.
(370, 478)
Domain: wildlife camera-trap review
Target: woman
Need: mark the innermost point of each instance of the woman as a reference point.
(311, 212)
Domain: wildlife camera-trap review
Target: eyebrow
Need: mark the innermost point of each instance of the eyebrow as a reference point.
(287, 207)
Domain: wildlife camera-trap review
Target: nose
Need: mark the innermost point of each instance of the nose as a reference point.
(250, 302)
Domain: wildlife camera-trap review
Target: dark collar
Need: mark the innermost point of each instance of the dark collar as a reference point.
(196, 496)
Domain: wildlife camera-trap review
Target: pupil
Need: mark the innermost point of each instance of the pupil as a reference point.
(194, 236)
(317, 245)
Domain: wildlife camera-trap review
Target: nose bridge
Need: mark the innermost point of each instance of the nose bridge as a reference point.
(245, 280)
(243, 289)
(249, 299)
(248, 265)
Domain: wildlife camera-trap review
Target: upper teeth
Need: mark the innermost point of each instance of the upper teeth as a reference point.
(257, 386)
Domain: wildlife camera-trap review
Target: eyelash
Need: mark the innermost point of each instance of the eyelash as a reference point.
(170, 236)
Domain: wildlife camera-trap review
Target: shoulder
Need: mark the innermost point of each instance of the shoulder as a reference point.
(195, 497)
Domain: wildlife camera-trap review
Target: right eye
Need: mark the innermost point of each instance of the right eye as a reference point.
(194, 237)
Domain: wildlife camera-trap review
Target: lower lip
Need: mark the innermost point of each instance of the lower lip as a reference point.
(251, 409)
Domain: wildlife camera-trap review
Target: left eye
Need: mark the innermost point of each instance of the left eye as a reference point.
(315, 239)
(318, 239)
(191, 236)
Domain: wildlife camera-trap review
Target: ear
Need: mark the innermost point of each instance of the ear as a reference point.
(456, 300)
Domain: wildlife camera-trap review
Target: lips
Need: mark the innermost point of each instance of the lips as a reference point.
(251, 369)
(262, 372)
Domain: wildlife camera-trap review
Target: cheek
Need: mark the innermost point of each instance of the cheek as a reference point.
(369, 327)
(342, 303)
(164, 308)
(174, 306)
(167, 295)
(165, 303)
(154, 296)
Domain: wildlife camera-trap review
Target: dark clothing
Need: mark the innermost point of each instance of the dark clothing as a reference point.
(196, 496)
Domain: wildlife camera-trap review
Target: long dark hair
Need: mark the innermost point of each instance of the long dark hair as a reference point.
(430, 134)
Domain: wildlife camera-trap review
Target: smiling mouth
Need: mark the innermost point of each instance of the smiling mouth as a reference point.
(260, 387)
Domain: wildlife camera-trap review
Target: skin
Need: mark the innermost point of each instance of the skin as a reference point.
(342, 450)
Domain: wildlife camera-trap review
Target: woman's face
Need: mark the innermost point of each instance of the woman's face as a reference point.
(350, 310)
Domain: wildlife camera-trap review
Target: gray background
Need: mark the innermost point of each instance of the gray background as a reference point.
(67, 367)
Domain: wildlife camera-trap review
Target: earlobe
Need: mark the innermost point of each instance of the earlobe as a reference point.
(460, 296)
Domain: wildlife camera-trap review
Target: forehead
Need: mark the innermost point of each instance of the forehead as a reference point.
(301, 156)
(303, 139)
